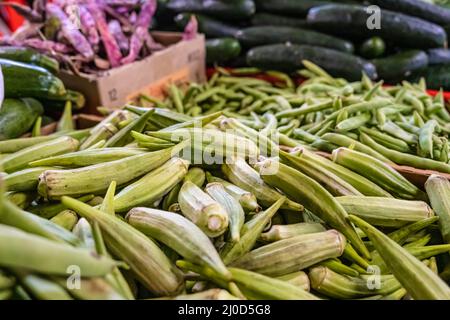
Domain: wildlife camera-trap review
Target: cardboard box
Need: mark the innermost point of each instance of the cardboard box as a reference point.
(181, 61)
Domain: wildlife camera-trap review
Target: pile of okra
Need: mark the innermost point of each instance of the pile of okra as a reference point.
(217, 192)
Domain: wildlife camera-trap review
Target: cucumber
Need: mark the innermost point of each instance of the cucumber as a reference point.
(296, 8)
(403, 30)
(286, 57)
(25, 80)
(212, 28)
(17, 116)
(401, 65)
(226, 10)
(372, 48)
(438, 56)
(417, 8)
(436, 77)
(268, 19)
(262, 35)
(29, 56)
(77, 98)
(222, 50)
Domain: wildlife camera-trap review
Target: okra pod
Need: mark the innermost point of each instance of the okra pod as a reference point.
(88, 157)
(208, 214)
(282, 232)
(245, 177)
(151, 187)
(334, 285)
(386, 212)
(236, 215)
(315, 198)
(245, 198)
(149, 264)
(22, 158)
(414, 276)
(378, 172)
(96, 178)
(293, 254)
(23, 250)
(438, 190)
(178, 233)
(250, 233)
(258, 285)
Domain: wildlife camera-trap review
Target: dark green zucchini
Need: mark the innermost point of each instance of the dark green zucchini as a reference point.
(29, 56)
(401, 65)
(24, 80)
(263, 35)
(77, 98)
(17, 116)
(268, 19)
(297, 8)
(212, 28)
(222, 50)
(438, 56)
(403, 30)
(417, 8)
(286, 57)
(372, 48)
(436, 77)
(226, 10)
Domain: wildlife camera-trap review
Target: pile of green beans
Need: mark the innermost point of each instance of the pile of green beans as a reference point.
(125, 209)
(401, 124)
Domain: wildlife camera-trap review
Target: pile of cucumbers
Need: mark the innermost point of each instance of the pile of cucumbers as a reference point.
(396, 40)
(31, 89)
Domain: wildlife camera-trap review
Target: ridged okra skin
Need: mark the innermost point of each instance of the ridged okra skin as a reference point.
(178, 233)
(386, 212)
(153, 186)
(438, 190)
(245, 177)
(203, 210)
(53, 184)
(145, 259)
(293, 254)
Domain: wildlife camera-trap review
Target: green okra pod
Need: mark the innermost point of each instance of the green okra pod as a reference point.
(23, 250)
(250, 233)
(256, 285)
(245, 177)
(25, 180)
(362, 184)
(148, 264)
(315, 198)
(41, 288)
(66, 219)
(378, 172)
(293, 254)
(22, 158)
(414, 276)
(96, 178)
(178, 233)
(88, 157)
(334, 184)
(199, 207)
(386, 212)
(282, 232)
(334, 285)
(151, 187)
(245, 198)
(236, 215)
(438, 190)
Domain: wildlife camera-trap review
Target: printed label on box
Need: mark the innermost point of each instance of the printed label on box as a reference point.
(157, 89)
